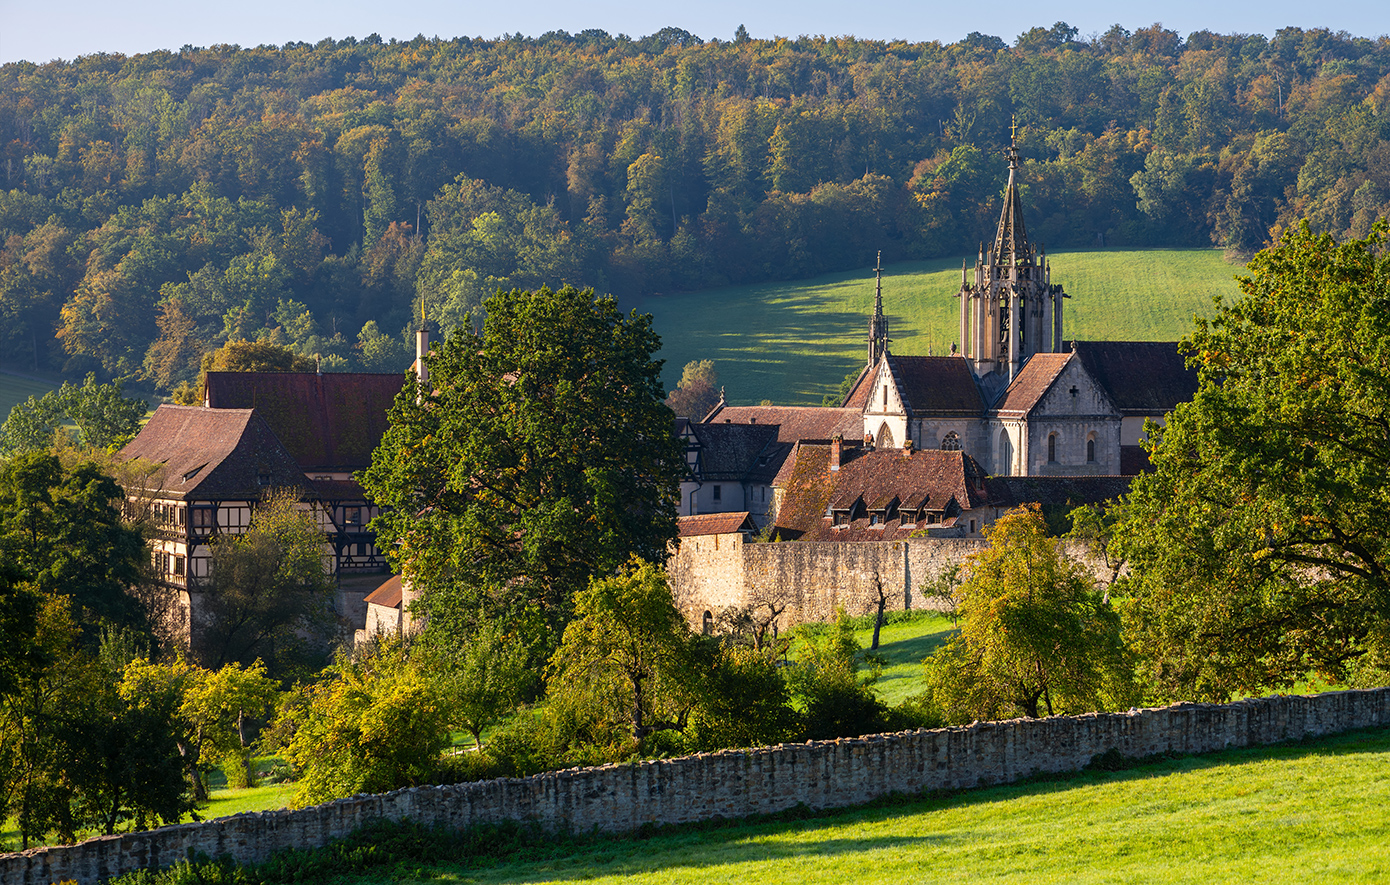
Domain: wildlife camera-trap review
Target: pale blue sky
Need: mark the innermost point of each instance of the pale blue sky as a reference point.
(40, 31)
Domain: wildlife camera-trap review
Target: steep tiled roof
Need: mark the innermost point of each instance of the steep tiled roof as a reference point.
(1031, 383)
(795, 422)
(326, 421)
(936, 385)
(1142, 377)
(737, 451)
(387, 595)
(214, 454)
(715, 524)
(863, 387)
(1054, 491)
(928, 480)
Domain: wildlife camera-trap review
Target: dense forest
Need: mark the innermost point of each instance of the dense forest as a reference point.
(156, 206)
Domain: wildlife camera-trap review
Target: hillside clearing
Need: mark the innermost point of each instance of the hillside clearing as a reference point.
(792, 343)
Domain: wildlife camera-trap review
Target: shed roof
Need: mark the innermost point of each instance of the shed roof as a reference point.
(715, 524)
(388, 595)
(326, 421)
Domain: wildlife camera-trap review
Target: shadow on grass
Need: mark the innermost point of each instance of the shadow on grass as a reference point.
(719, 843)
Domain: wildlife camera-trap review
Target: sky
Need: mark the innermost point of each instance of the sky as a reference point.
(36, 31)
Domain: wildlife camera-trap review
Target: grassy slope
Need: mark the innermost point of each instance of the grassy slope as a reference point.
(904, 646)
(1308, 812)
(15, 390)
(793, 342)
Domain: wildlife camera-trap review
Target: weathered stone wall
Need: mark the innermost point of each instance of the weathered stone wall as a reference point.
(810, 578)
(733, 783)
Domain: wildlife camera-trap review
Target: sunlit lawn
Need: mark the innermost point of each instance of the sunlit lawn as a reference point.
(793, 342)
(1298, 813)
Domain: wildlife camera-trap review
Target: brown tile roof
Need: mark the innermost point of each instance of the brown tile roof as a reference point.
(326, 421)
(1142, 377)
(214, 454)
(1031, 383)
(928, 480)
(387, 595)
(1134, 461)
(715, 524)
(936, 385)
(795, 422)
(1054, 491)
(858, 396)
(735, 452)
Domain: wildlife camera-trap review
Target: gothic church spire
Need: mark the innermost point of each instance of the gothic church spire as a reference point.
(1011, 241)
(878, 323)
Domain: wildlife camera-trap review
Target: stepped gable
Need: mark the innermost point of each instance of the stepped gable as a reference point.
(328, 422)
(1031, 384)
(733, 452)
(1142, 377)
(1054, 491)
(214, 454)
(715, 524)
(936, 385)
(795, 423)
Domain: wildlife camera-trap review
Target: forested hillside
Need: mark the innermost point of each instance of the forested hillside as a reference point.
(158, 205)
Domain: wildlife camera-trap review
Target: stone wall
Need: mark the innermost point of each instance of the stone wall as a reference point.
(733, 783)
(808, 579)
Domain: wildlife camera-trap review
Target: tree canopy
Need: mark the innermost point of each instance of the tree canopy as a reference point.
(1257, 547)
(538, 456)
(159, 205)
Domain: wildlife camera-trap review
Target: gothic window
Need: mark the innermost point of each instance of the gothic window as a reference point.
(950, 442)
(1091, 449)
(1052, 448)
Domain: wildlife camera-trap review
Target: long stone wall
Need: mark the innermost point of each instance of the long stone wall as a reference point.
(809, 579)
(731, 784)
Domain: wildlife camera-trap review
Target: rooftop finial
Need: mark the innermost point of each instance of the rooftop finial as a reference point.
(1013, 129)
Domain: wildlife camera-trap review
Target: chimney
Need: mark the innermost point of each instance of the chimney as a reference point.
(422, 349)
(907, 448)
(835, 442)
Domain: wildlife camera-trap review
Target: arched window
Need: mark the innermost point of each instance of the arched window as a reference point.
(1006, 454)
(708, 626)
(950, 442)
(885, 437)
(1091, 449)
(1052, 448)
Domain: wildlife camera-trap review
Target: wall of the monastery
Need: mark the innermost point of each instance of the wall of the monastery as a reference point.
(1132, 429)
(731, 784)
(809, 579)
(927, 433)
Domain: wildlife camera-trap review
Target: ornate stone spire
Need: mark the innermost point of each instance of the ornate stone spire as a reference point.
(878, 323)
(1011, 241)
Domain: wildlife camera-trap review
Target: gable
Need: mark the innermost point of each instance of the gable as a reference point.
(1073, 392)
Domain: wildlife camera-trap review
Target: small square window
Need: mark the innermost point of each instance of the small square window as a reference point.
(352, 515)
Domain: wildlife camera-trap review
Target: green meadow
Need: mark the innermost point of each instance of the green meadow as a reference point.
(1305, 812)
(792, 343)
(15, 389)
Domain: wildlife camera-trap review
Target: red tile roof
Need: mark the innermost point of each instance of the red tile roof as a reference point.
(1031, 383)
(715, 524)
(214, 454)
(928, 480)
(326, 421)
(388, 595)
(795, 422)
(1054, 491)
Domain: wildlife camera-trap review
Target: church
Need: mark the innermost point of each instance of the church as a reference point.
(1014, 399)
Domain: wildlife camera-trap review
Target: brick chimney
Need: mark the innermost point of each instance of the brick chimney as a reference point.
(835, 443)
(907, 448)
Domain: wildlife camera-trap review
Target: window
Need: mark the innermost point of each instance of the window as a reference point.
(202, 517)
(708, 626)
(885, 397)
(178, 565)
(950, 442)
(352, 515)
(717, 491)
(1052, 448)
(972, 526)
(1091, 450)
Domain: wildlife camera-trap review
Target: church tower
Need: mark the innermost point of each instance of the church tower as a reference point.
(1010, 310)
(878, 323)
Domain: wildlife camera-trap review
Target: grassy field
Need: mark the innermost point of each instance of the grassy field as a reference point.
(15, 390)
(792, 343)
(904, 645)
(1295, 813)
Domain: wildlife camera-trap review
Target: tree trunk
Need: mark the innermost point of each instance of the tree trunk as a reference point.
(882, 604)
